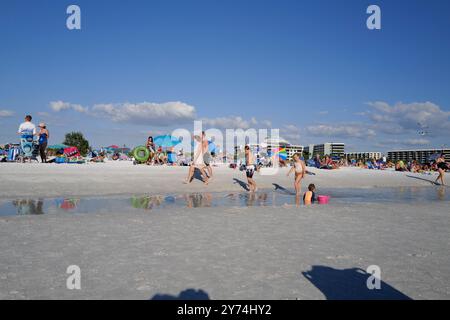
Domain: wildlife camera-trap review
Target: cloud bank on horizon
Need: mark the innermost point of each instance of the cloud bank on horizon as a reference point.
(381, 120)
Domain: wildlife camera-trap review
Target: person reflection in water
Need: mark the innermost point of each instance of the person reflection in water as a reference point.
(29, 207)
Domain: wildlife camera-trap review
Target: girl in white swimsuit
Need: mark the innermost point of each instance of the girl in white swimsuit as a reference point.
(300, 170)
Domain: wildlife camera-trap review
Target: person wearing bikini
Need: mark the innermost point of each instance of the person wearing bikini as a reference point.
(299, 168)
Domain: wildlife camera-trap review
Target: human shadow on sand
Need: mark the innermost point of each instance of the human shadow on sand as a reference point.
(242, 184)
(349, 284)
(418, 178)
(197, 175)
(188, 294)
(282, 189)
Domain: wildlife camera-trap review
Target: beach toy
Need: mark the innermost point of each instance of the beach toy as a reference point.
(323, 199)
(141, 153)
(280, 153)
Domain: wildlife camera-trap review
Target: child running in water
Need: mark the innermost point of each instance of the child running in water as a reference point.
(300, 170)
(250, 169)
(310, 195)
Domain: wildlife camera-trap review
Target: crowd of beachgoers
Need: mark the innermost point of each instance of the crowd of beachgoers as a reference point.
(161, 151)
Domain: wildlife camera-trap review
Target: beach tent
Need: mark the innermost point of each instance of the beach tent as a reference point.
(71, 152)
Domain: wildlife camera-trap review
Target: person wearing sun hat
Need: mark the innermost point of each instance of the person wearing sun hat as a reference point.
(43, 141)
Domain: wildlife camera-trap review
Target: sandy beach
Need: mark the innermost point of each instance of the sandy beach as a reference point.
(113, 178)
(285, 252)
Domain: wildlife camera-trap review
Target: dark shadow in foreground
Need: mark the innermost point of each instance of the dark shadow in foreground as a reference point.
(349, 284)
(188, 294)
(427, 180)
(283, 189)
(242, 184)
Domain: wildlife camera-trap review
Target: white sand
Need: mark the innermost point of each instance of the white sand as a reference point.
(228, 252)
(52, 180)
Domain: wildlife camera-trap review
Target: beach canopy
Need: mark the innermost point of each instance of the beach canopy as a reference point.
(166, 141)
(57, 146)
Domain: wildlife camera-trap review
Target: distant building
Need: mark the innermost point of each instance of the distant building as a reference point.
(325, 149)
(293, 149)
(418, 155)
(270, 144)
(363, 155)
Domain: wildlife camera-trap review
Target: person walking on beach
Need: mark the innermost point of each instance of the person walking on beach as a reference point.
(206, 155)
(197, 162)
(250, 169)
(441, 167)
(300, 169)
(43, 141)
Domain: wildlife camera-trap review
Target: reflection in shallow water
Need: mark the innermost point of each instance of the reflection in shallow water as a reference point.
(206, 200)
(27, 206)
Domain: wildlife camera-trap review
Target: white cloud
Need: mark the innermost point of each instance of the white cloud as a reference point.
(6, 113)
(232, 122)
(404, 117)
(59, 105)
(266, 123)
(148, 113)
(416, 142)
(236, 122)
(291, 133)
(341, 131)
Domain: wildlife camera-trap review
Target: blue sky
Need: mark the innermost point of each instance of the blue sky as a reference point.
(310, 68)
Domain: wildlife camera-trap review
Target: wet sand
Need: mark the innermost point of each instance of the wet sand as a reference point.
(281, 252)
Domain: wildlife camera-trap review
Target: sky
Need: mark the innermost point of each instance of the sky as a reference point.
(309, 68)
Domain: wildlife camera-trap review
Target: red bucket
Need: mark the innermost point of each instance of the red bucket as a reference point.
(323, 199)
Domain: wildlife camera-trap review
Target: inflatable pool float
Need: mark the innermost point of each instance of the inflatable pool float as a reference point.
(141, 154)
(323, 199)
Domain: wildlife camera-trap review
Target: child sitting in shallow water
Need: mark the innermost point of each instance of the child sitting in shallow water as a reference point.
(310, 196)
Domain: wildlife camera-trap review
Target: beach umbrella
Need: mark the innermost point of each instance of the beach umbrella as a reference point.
(212, 147)
(113, 147)
(57, 146)
(166, 141)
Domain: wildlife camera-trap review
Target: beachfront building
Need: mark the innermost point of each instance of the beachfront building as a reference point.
(293, 149)
(421, 155)
(363, 155)
(335, 149)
